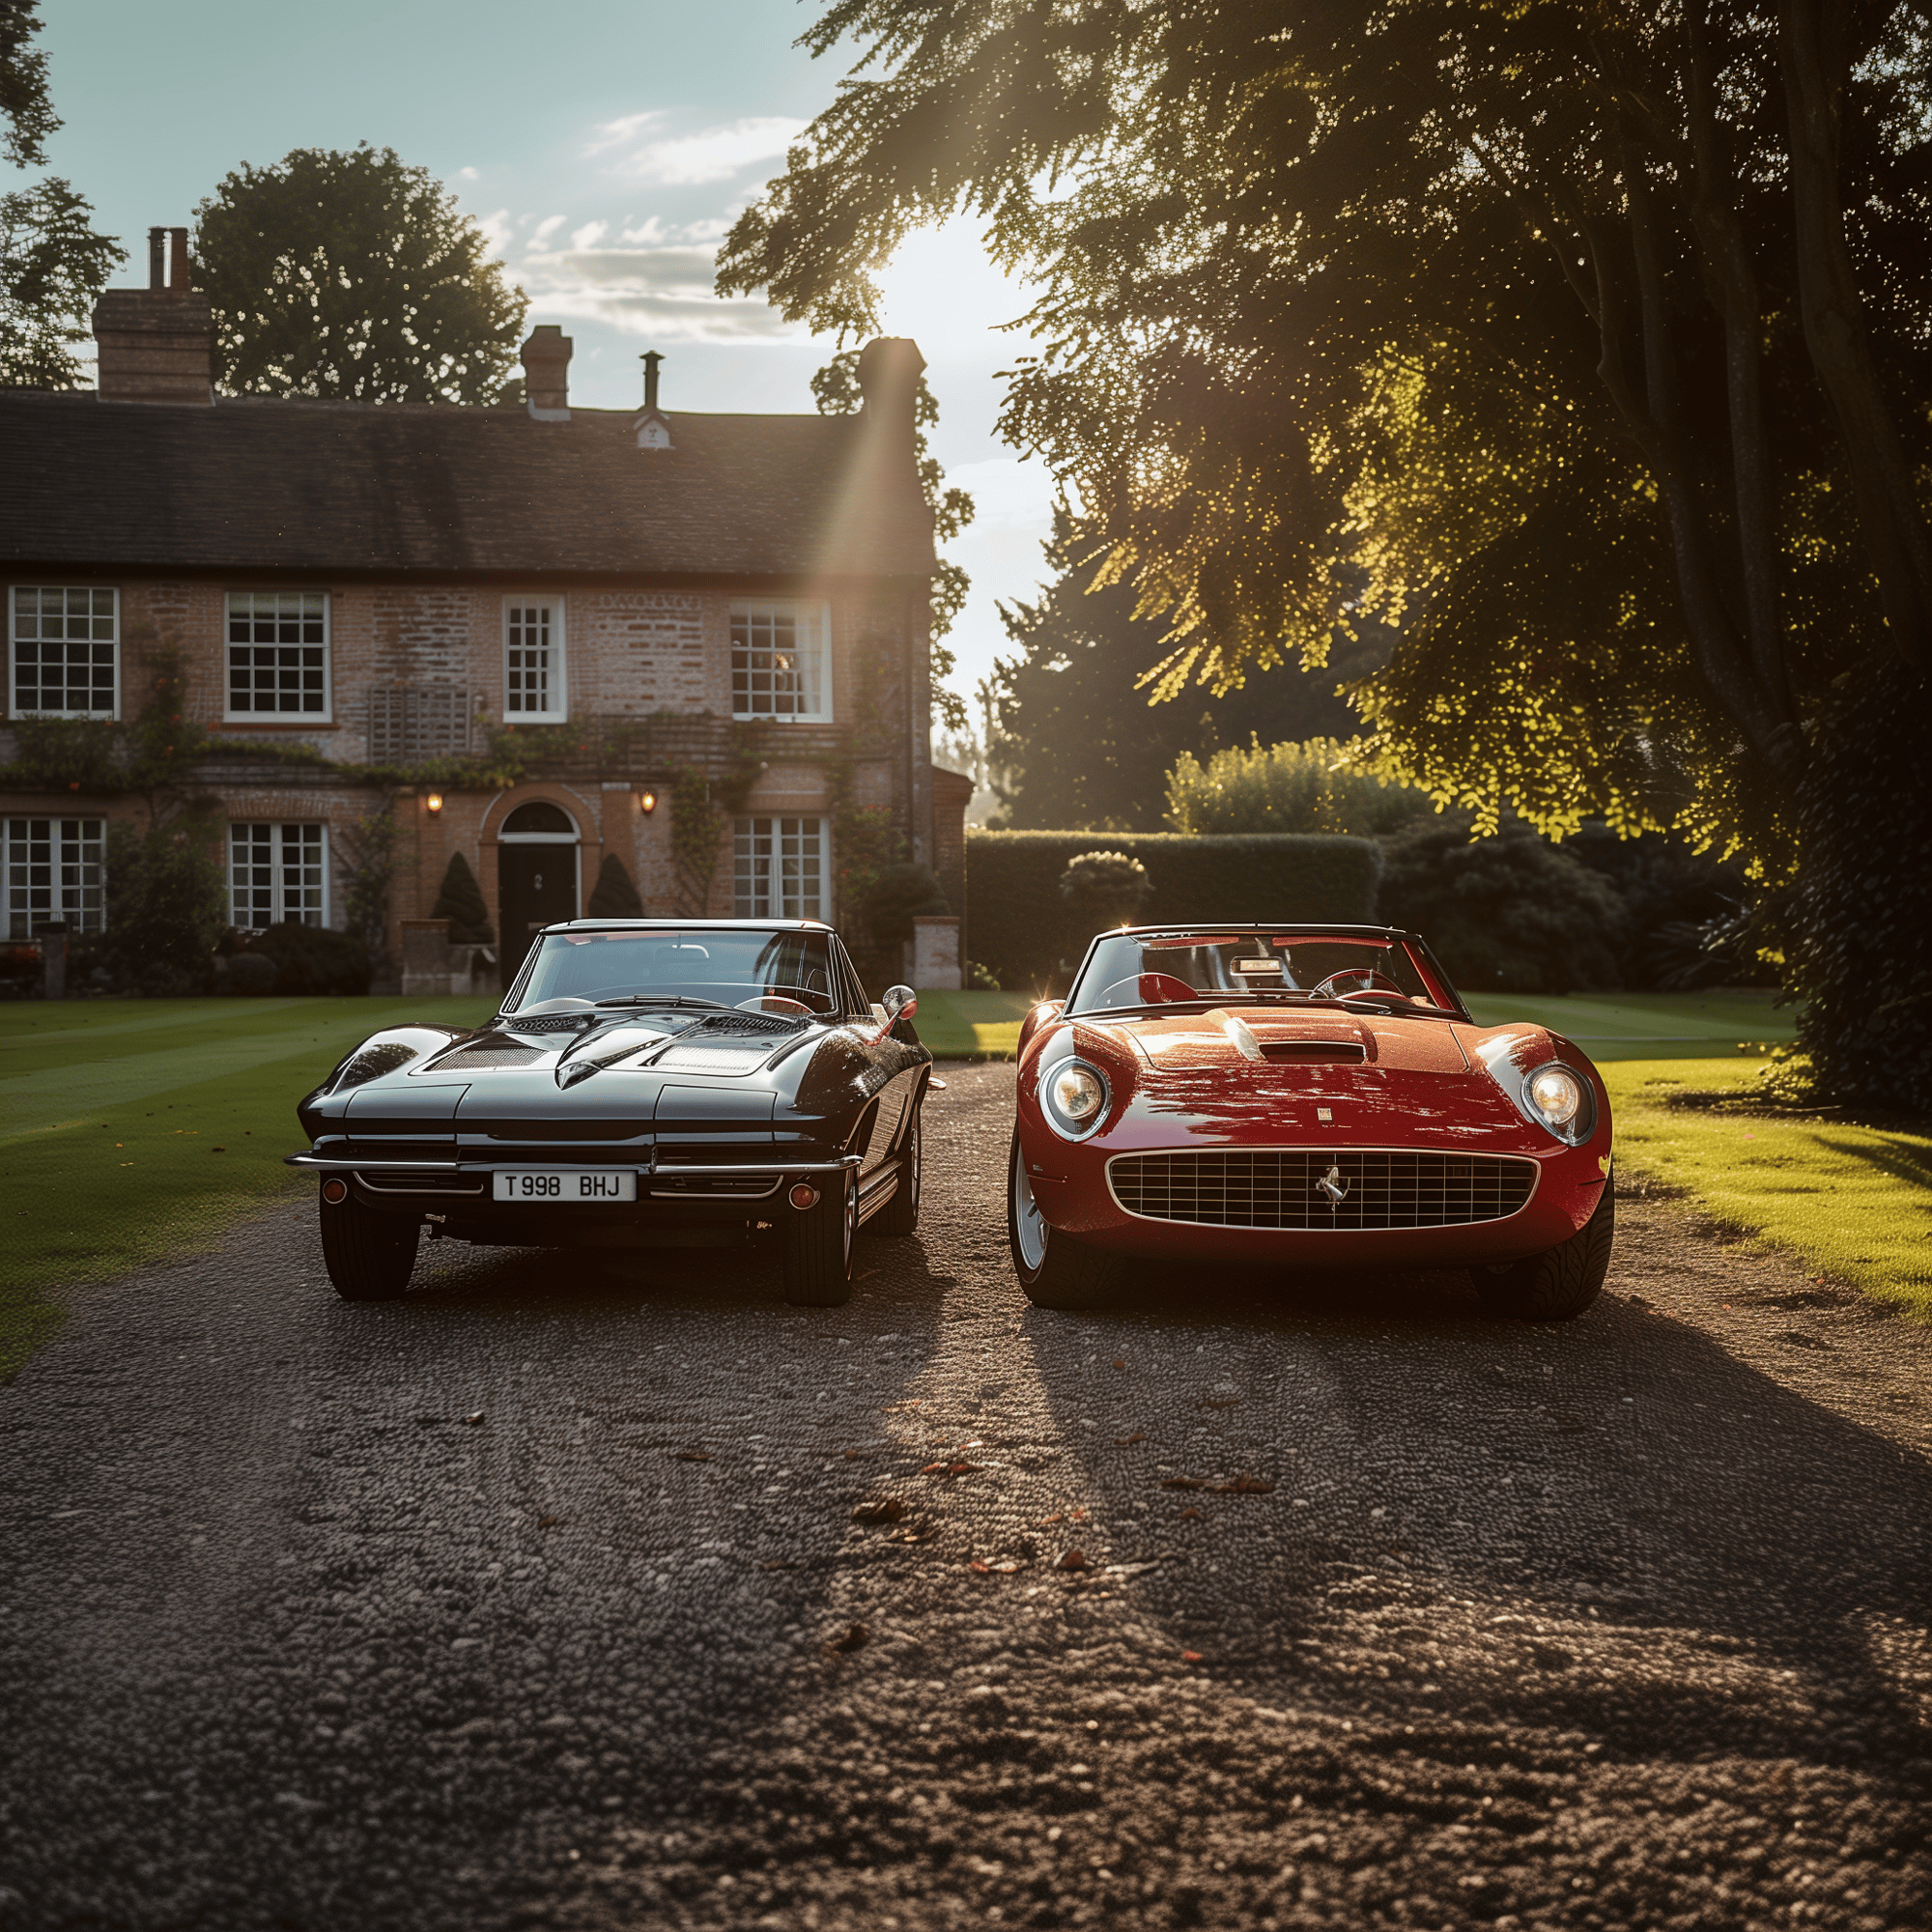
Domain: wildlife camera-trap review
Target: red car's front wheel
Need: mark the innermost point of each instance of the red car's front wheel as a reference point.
(1559, 1284)
(1055, 1270)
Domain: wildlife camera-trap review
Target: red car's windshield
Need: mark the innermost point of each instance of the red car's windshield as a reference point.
(1298, 965)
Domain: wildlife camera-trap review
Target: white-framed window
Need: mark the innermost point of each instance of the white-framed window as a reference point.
(278, 656)
(64, 650)
(533, 686)
(277, 872)
(778, 869)
(54, 868)
(779, 661)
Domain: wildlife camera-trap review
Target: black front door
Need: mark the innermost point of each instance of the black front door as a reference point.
(536, 886)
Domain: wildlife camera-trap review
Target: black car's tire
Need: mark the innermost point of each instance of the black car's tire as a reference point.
(900, 1215)
(1055, 1270)
(369, 1255)
(1558, 1285)
(819, 1246)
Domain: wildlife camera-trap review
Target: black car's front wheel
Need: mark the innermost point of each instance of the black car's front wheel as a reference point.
(1559, 1284)
(370, 1256)
(900, 1215)
(1055, 1270)
(818, 1245)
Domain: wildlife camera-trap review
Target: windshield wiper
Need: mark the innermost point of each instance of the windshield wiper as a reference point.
(663, 1000)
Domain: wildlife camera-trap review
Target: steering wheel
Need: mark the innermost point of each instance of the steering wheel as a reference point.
(1355, 980)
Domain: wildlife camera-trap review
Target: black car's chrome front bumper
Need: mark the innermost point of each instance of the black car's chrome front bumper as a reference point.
(657, 1180)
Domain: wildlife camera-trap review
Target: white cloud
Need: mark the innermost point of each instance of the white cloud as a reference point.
(664, 292)
(540, 235)
(683, 161)
(498, 229)
(589, 235)
(468, 174)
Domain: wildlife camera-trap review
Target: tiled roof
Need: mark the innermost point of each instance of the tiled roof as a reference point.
(259, 484)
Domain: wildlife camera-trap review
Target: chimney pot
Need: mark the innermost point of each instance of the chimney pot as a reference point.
(653, 426)
(156, 345)
(546, 373)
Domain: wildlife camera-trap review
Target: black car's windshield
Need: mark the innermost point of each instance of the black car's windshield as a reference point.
(725, 968)
(1132, 969)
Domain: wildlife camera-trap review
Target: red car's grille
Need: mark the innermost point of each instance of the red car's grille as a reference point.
(1319, 1189)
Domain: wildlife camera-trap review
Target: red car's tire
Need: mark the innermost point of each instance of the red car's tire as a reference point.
(1559, 1284)
(370, 1256)
(1055, 1270)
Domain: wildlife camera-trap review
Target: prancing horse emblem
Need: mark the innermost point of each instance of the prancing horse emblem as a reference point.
(1333, 1187)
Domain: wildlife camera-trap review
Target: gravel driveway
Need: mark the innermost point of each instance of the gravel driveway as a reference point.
(1620, 1625)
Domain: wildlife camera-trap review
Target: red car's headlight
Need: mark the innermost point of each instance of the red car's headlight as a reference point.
(1074, 1097)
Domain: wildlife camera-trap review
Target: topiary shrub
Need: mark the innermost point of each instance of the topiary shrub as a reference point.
(311, 959)
(613, 896)
(1510, 914)
(1310, 786)
(461, 903)
(1103, 889)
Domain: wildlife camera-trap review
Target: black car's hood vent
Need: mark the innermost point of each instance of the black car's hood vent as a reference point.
(489, 1052)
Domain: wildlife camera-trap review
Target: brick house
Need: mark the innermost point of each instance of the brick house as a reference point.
(535, 634)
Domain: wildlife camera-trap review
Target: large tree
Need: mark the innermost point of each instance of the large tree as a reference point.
(52, 263)
(357, 276)
(1594, 331)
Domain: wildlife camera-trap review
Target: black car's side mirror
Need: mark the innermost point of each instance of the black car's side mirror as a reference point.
(901, 1003)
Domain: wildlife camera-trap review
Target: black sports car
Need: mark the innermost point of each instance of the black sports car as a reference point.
(648, 1084)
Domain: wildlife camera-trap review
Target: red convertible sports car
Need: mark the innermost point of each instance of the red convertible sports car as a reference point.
(1302, 1096)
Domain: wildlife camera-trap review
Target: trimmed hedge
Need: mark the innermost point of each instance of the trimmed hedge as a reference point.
(1019, 925)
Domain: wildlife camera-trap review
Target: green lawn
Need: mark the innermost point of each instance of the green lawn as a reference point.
(135, 1129)
(1854, 1202)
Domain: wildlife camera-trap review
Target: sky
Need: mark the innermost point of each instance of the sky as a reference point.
(604, 146)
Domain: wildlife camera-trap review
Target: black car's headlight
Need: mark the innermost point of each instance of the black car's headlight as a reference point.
(1075, 1098)
(1558, 1097)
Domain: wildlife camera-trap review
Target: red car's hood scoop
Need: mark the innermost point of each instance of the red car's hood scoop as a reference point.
(1239, 1038)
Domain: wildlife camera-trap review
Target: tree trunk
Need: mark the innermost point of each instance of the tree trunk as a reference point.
(1814, 60)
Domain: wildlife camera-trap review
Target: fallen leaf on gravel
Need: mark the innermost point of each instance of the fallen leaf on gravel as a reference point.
(548, 1521)
(1190, 1656)
(853, 1455)
(1065, 1515)
(1183, 1483)
(1185, 1514)
(1128, 1442)
(1244, 1485)
(1007, 1566)
(693, 1454)
(473, 1420)
(1118, 1363)
(949, 1469)
(776, 1563)
(1224, 1401)
(1641, 1301)
(1073, 1559)
(920, 1532)
(851, 1637)
(1131, 1569)
(887, 1509)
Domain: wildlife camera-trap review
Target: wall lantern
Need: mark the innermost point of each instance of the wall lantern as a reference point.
(433, 802)
(647, 801)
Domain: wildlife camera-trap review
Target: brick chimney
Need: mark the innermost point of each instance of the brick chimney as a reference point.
(546, 373)
(156, 345)
(889, 371)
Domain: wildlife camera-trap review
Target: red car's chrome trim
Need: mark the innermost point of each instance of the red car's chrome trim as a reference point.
(1331, 1151)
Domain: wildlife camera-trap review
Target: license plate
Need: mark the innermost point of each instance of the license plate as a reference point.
(554, 1185)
